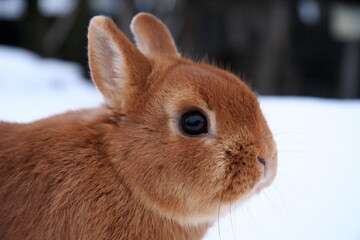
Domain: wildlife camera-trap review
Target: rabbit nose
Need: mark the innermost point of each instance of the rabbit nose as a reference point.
(261, 160)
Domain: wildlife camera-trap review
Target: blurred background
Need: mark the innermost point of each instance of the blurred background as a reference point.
(280, 47)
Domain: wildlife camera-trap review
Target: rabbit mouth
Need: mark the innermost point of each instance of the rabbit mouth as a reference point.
(266, 180)
(269, 172)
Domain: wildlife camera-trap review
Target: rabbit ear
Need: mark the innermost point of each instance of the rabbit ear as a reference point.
(152, 36)
(115, 63)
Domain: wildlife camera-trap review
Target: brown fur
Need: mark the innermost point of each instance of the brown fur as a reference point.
(123, 170)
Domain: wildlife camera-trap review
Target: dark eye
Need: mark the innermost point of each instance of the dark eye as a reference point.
(193, 123)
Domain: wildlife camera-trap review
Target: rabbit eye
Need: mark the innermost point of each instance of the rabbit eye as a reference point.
(193, 123)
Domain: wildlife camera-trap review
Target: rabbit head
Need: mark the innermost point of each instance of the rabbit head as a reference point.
(189, 139)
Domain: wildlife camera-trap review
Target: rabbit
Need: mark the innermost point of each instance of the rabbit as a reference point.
(175, 144)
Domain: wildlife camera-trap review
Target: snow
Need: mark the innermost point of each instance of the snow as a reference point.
(33, 88)
(316, 194)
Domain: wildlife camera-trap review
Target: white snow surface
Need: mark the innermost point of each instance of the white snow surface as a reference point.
(316, 194)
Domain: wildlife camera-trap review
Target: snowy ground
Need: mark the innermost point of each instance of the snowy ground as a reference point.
(316, 194)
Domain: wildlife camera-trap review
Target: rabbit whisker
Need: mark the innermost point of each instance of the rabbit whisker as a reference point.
(218, 222)
(231, 222)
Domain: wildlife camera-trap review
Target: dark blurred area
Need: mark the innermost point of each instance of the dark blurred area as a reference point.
(303, 47)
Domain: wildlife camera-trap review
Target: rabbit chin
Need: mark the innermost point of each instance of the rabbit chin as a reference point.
(219, 209)
(216, 210)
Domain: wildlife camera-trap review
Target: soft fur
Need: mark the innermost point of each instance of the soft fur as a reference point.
(124, 170)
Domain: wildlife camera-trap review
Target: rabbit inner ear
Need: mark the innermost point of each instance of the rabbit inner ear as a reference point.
(152, 36)
(115, 63)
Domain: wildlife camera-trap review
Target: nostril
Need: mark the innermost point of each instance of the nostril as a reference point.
(261, 160)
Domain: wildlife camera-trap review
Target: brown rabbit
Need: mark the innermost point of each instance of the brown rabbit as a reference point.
(175, 144)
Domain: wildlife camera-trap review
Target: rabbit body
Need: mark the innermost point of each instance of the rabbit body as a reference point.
(127, 169)
(57, 182)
